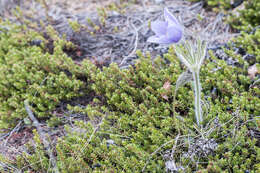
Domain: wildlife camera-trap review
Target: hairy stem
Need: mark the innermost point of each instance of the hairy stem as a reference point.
(197, 94)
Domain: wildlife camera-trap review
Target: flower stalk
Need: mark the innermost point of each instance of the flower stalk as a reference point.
(192, 54)
(197, 95)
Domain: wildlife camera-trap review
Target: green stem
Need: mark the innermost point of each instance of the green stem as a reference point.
(197, 94)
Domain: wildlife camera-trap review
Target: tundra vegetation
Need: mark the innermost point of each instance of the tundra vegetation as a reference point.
(85, 116)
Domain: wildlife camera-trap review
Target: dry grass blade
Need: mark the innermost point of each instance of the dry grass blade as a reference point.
(17, 127)
(90, 138)
(135, 44)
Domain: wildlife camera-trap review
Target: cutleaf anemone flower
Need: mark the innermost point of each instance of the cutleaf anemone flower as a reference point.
(166, 32)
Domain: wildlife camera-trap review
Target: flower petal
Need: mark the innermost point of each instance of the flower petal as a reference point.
(174, 33)
(169, 17)
(159, 27)
(153, 39)
(160, 40)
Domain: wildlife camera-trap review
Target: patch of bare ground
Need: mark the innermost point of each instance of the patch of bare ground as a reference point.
(126, 27)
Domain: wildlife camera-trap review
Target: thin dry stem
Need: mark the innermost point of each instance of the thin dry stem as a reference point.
(42, 135)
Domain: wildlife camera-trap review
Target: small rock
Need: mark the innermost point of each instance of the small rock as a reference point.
(96, 166)
(115, 13)
(252, 71)
(237, 3)
(36, 42)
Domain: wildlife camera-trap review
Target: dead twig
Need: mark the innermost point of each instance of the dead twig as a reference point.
(135, 45)
(42, 136)
(16, 129)
(8, 167)
(91, 136)
(174, 146)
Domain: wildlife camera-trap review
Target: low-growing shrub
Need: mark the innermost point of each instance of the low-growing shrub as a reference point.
(30, 72)
(250, 43)
(247, 18)
(135, 118)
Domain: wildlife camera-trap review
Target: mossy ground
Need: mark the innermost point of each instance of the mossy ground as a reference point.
(127, 120)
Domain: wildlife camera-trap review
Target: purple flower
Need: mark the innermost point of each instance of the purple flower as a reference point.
(167, 32)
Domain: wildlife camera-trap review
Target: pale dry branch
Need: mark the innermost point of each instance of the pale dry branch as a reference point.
(135, 45)
(42, 136)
